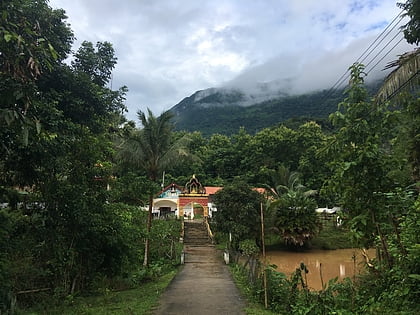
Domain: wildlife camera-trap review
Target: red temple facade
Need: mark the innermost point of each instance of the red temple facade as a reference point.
(189, 201)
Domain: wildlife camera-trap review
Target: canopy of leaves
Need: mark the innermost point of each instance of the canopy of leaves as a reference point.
(295, 218)
(291, 210)
(33, 37)
(97, 64)
(412, 28)
(54, 181)
(238, 212)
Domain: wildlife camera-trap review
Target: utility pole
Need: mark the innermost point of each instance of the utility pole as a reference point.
(263, 254)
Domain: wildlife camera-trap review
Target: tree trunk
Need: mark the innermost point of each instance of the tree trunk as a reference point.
(397, 233)
(383, 240)
(148, 228)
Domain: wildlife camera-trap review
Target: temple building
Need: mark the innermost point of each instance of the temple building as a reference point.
(192, 200)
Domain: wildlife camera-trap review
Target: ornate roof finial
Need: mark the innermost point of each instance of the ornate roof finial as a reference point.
(194, 186)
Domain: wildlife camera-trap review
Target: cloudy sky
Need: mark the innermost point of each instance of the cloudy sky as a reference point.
(168, 49)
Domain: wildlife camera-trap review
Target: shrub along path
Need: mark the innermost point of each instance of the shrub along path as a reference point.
(203, 286)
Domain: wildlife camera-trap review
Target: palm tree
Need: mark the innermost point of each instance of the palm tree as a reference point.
(291, 212)
(153, 149)
(283, 181)
(405, 75)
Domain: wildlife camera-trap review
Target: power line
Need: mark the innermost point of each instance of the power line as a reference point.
(402, 86)
(376, 39)
(346, 75)
(361, 61)
(383, 57)
(393, 94)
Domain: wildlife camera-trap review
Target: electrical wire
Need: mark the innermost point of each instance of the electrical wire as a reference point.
(402, 86)
(362, 57)
(362, 60)
(383, 57)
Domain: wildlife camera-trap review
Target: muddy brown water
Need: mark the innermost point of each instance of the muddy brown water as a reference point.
(332, 263)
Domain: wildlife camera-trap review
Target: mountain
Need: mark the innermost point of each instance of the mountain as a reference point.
(224, 110)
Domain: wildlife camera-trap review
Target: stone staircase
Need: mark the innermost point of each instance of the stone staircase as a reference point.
(195, 233)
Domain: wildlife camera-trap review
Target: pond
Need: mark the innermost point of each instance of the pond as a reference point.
(339, 263)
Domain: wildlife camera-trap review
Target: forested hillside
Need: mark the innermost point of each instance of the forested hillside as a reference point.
(221, 111)
(77, 180)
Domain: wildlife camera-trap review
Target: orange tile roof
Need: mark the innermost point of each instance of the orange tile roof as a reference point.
(211, 190)
(260, 190)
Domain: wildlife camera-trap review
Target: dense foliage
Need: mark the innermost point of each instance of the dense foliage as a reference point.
(61, 227)
(238, 213)
(412, 28)
(376, 187)
(227, 118)
(220, 111)
(75, 177)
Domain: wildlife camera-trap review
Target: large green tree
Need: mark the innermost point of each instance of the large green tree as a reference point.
(412, 28)
(33, 37)
(97, 64)
(238, 212)
(220, 159)
(311, 140)
(364, 163)
(57, 217)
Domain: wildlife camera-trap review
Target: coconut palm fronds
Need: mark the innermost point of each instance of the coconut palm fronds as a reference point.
(405, 76)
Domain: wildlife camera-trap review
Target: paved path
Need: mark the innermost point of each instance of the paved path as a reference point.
(204, 286)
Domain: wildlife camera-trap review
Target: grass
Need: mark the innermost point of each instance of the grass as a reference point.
(332, 237)
(257, 309)
(253, 306)
(140, 300)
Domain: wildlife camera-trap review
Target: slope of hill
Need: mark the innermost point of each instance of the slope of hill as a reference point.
(222, 113)
(225, 111)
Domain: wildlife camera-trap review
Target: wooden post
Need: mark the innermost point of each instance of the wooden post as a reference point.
(263, 252)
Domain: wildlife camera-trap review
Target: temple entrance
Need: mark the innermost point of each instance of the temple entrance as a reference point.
(193, 201)
(193, 210)
(198, 210)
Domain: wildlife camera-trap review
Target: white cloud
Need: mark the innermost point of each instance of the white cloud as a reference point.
(168, 49)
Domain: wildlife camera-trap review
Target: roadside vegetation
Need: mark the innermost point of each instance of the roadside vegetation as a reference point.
(328, 238)
(377, 212)
(139, 300)
(331, 238)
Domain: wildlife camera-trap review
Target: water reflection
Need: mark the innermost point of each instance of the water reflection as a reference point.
(339, 263)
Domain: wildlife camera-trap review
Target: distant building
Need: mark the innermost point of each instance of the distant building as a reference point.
(189, 201)
(329, 216)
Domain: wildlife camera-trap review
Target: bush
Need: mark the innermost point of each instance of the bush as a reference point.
(291, 296)
(332, 238)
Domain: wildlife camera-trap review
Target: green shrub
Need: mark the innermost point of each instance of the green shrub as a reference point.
(331, 237)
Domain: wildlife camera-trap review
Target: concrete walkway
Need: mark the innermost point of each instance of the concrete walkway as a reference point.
(204, 286)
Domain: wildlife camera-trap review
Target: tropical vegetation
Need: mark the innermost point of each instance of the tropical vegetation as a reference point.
(76, 178)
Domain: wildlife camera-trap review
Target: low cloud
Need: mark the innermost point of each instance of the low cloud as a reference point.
(168, 49)
(310, 71)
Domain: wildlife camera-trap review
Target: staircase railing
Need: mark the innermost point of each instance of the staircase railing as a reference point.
(182, 236)
(209, 232)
